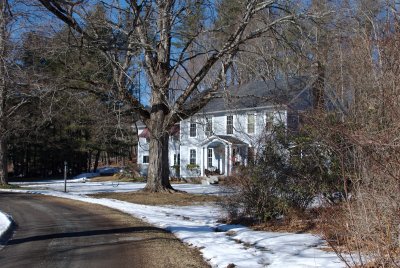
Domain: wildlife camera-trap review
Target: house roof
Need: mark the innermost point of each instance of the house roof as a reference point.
(224, 139)
(231, 139)
(260, 93)
(293, 92)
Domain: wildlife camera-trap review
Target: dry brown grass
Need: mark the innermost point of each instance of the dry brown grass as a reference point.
(156, 199)
(9, 186)
(305, 222)
(293, 226)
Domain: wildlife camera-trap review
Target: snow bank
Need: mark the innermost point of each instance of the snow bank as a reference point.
(223, 244)
(5, 224)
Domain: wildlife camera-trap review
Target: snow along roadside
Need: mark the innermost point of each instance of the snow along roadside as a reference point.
(222, 244)
(5, 227)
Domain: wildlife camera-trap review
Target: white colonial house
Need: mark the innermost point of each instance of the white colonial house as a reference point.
(229, 131)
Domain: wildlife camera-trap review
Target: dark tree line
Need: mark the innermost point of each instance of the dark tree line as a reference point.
(60, 106)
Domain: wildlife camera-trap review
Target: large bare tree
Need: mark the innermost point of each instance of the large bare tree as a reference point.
(150, 31)
(4, 19)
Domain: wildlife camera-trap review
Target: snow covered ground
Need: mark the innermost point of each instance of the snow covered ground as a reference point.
(80, 187)
(198, 226)
(5, 223)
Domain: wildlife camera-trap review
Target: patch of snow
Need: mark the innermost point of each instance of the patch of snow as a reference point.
(5, 224)
(78, 186)
(222, 244)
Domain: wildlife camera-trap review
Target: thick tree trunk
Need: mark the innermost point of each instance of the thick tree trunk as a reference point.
(158, 172)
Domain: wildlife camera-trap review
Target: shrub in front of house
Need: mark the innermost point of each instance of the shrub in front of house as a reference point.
(285, 178)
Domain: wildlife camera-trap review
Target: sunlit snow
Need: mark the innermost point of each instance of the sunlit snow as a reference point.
(5, 223)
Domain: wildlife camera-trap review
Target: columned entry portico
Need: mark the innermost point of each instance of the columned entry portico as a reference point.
(220, 154)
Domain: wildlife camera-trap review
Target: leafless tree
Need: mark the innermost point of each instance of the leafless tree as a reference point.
(153, 30)
(362, 81)
(4, 17)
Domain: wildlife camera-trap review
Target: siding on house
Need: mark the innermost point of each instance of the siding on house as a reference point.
(219, 124)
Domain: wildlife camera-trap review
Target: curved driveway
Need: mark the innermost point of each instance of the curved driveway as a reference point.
(55, 232)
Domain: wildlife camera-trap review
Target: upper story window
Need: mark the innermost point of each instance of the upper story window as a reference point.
(192, 156)
(251, 123)
(145, 159)
(209, 126)
(192, 129)
(269, 121)
(229, 124)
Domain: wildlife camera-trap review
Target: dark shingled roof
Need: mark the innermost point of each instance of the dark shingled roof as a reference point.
(262, 93)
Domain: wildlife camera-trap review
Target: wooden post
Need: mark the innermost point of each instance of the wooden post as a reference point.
(65, 176)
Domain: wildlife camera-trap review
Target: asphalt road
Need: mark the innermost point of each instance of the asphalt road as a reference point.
(55, 232)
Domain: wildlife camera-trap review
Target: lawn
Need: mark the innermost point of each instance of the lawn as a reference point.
(159, 199)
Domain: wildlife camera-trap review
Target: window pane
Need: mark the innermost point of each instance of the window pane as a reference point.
(229, 124)
(192, 156)
(250, 123)
(209, 158)
(209, 129)
(145, 159)
(193, 130)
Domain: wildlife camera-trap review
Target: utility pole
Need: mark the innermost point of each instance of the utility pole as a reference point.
(65, 176)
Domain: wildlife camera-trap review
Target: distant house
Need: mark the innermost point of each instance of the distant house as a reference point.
(230, 129)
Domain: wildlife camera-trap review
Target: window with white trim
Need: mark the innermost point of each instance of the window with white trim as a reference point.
(209, 157)
(251, 123)
(145, 159)
(192, 156)
(229, 124)
(209, 126)
(192, 129)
